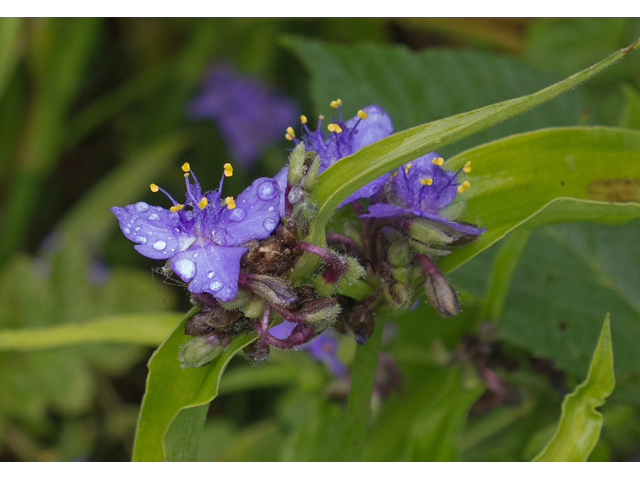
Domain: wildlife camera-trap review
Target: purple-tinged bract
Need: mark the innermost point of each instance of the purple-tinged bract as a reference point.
(204, 237)
(249, 115)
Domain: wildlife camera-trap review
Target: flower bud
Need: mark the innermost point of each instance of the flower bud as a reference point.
(274, 290)
(324, 288)
(304, 211)
(296, 165)
(320, 312)
(200, 351)
(402, 274)
(309, 181)
(240, 300)
(427, 250)
(398, 294)
(440, 294)
(296, 194)
(255, 308)
(362, 323)
(430, 233)
(399, 253)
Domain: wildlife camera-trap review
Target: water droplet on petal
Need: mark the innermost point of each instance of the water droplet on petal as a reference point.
(195, 255)
(142, 207)
(141, 240)
(127, 231)
(271, 208)
(210, 274)
(267, 190)
(186, 269)
(237, 214)
(137, 229)
(154, 216)
(160, 245)
(215, 286)
(269, 224)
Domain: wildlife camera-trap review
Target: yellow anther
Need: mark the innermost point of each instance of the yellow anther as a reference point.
(362, 114)
(291, 132)
(186, 167)
(334, 127)
(467, 167)
(406, 169)
(154, 187)
(336, 103)
(426, 181)
(303, 119)
(186, 175)
(231, 203)
(203, 203)
(175, 208)
(463, 187)
(288, 137)
(228, 170)
(438, 161)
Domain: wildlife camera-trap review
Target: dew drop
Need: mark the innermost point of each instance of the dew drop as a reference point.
(237, 214)
(215, 286)
(154, 216)
(269, 224)
(127, 231)
(137, 229)
(160, 245)
(267, 190)
(186, 269)
(271, 208)
(141, 240)
(210, 274)
(142, 207)
(195, 255)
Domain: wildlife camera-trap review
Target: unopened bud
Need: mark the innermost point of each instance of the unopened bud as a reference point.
(354, 272)
(402, 274)
(296, 164)
(309, 181)
(430, 233)
(200, 351)
(304, 211)
(428, 250)
(324, 288)
(440, 294)
(320, 312)
(398, 295)
(362, 323)
(255, 308)
(296, 194)
(399, 253)
(274, 290)
(240, 300)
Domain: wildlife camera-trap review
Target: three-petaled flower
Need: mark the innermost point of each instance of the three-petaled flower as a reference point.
(371, 124)
(204, 237)
(423, 188)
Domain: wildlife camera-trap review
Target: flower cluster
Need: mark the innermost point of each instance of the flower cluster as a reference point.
(239, 105)
(205, 236)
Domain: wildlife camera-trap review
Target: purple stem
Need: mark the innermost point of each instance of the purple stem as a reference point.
(206, 299)
(336, 266)
(428, 266)
(300, 335)
(348, 242)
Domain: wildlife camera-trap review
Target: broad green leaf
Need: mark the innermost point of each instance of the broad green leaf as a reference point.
(171, 390)
(10, 30)
(580, 423)
(359, 406)
(135, 329)
(374, 160)
(568, 278)
(548, 176)
(630, 117)
(436, 430)
(183, 436)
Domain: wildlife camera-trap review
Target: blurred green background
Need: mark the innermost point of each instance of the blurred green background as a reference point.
(94, 110)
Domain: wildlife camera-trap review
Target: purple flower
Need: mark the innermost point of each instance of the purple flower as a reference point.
(423, 188)
(249, 115)
(204, 237)
(323, 348)
(371, 124)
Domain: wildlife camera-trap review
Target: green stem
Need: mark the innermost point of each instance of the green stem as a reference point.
(359, 406)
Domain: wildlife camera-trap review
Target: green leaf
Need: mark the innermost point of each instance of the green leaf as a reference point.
(135, 329)
(548, 176)
(10, 30)
(630, 117)
(374, 160)
(568, 278)
(580, 423)
(171, 390)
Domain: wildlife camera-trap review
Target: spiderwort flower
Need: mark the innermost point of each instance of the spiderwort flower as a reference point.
(371, 124)
(204, 237)
(240, 106)
(423, 188)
